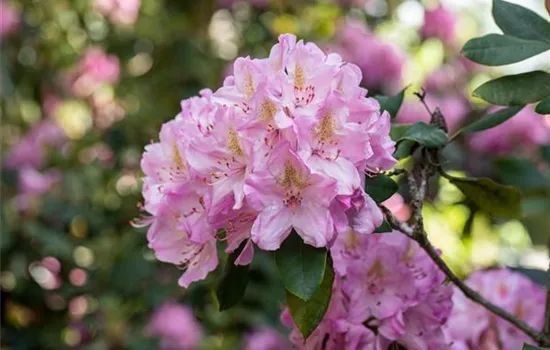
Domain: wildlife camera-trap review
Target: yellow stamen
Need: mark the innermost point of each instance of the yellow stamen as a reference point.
(233, 143)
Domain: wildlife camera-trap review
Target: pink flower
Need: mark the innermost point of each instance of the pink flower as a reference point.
(471, 326)
(124, 12)
(9, 19)
(439, 23)
(282, 145)
(522, 134)
(33, 182)
(266, 339)
(387, 291)
(287, 195)
(30, 151)
(176, 327)
(95, 68)
(380, 63)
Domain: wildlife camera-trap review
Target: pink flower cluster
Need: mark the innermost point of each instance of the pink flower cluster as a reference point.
(282, 144)
(439, 23)
(521, 133)
(95, 67)
(176, 326)
(381, 63)
(387, 291)
(9, 19)
(471, 326)
(124, 12)
(266, 339)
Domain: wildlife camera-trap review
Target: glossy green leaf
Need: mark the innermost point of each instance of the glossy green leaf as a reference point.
(385, 227)
(391, 103)
(535, 275)
(498, 50)
(308, 314)
(233, 282)
(543, 107)
(301, 266)
(532, 347)
(426, 135)
(516, 20)
(404, 149)
(522, 173)
(495, 199)
(380, 187)
(516, 90)
(491, 120)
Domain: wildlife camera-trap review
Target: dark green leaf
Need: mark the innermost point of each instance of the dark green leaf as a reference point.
(493, 198)
(498, 50)
(380, 187)
(308, 314)
(398, 130)
(301, 266)
(532, 347)
(543, 107)
(426, 135)
(234, 280)
(385, 227)
(391, 103)
(545, 153)
(516, 20)
(537, 276)
(491, 120)
(516, 90)
(521, 172)
(404, 149)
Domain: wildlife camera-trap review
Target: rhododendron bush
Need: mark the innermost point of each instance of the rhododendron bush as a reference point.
(354, 175)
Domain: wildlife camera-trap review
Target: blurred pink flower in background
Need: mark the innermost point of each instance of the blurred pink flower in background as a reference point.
(396, 204)
(46, 272)
(472, 327)
(123, 12)
(447, 78)
(32, 183)
(29, 151)
(176, 327)
(521, 133)
(381, 64)
(266, 339)
(439, 23)
(95, 68)
(9, 19)
(454, 108)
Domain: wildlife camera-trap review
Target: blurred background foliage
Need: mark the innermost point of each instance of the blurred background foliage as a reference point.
(85, 84)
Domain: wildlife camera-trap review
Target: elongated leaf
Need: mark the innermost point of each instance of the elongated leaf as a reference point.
(493, 198)
(308, 314)
(233, 283)
(385, 227)
(380, 187)
(516, 20)
(544, 106)
(498, 50)
(404, 149)
(491, 120)
(516, 90)
(425, 134)
(522, 173)
(537, 276)
(301, 266)
(391, 103)
(398, 130)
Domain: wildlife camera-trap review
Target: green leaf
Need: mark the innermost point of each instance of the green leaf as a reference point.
(385, 227)
(516, 90)
(498, 50)
(516, 20)
(545, 153)
(301, 266)
(404, 149)
(491, 120)
(522, 173)
(537, 276)
(532, 347)
(398, 130)
(426, 135)
(391, 103)
(233, 282)
(308, 314)
(544, 106)
(380, 187)
(495, 199)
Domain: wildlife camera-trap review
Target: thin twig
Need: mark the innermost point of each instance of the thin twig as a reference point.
(422, 97)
